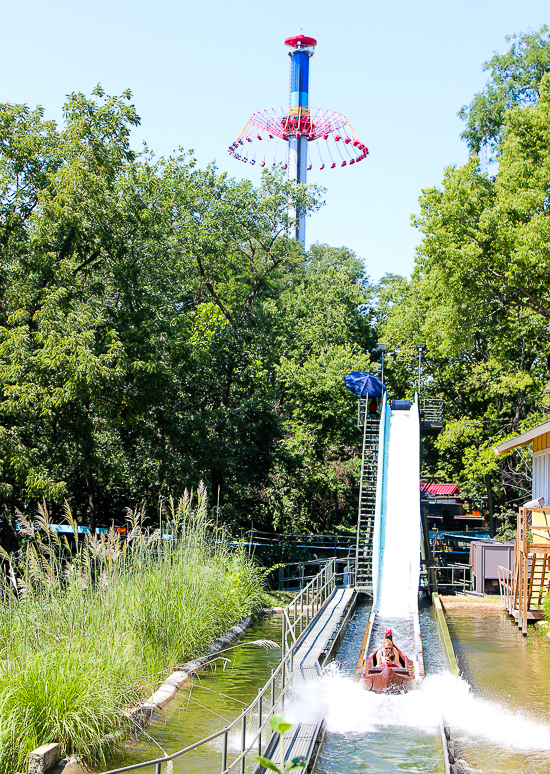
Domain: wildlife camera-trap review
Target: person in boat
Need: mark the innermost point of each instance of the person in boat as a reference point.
(389, 654)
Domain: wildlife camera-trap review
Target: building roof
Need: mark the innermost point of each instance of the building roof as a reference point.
(523, 439)
(447, 490)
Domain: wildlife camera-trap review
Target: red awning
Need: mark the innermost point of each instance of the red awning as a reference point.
(440, 490)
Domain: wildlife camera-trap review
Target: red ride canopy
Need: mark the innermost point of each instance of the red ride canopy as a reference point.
(300, 40)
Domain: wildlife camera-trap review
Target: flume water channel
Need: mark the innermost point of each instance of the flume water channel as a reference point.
(378, 733)
(502, 724)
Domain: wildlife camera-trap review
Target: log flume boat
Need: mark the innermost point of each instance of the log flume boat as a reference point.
(386, 679)
(397, 677)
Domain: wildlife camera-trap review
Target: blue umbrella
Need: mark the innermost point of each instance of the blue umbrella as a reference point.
(364, 384)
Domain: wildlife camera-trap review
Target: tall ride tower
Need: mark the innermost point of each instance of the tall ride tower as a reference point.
(302, 48)
(310, 135)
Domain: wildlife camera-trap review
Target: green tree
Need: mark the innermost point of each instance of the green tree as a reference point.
(480, 298)
(326, 329)
(148, 317)
(515, 81)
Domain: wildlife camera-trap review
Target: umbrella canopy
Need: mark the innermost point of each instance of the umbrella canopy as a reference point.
(364, 384)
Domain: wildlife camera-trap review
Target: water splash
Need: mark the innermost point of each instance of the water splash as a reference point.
(348, 709)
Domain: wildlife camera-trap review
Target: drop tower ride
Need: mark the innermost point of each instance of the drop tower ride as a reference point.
(309, 135)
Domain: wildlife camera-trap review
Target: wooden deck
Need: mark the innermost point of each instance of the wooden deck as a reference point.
(303, 739)
(524, 587)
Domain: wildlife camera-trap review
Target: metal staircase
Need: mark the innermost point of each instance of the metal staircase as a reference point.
(367, 497)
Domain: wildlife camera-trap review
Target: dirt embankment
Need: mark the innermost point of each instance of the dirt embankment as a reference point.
(467, 602)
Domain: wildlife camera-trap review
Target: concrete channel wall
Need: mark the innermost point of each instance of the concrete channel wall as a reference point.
(443, 629)
(451, 767)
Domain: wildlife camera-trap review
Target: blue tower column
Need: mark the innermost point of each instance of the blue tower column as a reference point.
(297, 170)
(302, 50)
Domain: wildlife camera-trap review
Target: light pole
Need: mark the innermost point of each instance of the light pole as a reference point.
(382, 348)
(420, 348)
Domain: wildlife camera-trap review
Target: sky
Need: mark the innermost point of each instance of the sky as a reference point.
(399, 71)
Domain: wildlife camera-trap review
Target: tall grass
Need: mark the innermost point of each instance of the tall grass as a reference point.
(88, 631)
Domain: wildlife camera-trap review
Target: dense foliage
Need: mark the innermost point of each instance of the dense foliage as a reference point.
(480, 293)
(159, 328)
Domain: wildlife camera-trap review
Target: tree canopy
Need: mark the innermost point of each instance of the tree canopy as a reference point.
(515, 81)
(158, 327)
(479, 296)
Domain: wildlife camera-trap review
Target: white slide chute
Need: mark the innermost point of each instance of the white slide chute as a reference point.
(399, 570)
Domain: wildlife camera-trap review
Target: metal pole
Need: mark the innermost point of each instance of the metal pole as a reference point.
(224, 752)
(158, 768)
(243, 743)
(490, 507)
(420, 348)
(260, 721)
(272, 691)
(382, 375)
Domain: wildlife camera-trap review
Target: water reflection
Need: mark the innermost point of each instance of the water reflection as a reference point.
(207, 704)
(510, 676)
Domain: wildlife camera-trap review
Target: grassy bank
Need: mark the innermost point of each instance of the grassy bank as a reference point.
(88, 631)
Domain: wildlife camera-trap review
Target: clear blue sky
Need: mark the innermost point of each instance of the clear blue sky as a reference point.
(400, 71)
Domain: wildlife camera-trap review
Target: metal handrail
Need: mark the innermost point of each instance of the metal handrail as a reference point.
(462, 570)
(309, 601)
(329, 540)
(300, 580)
(311, 598)
(432, 410)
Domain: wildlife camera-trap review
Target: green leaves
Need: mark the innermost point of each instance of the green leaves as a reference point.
(480, 295)
(280, 726)
(267, 763)
(148, 307)
(515, 80)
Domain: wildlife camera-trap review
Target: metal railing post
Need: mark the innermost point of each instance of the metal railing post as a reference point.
(224, 752)
(243, 743)
(272, 692)
(158, 768)
(260, 697)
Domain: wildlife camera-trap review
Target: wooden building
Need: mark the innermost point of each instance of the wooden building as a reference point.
(524, 587)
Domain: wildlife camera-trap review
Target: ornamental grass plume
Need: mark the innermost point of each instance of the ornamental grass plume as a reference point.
(87, 629)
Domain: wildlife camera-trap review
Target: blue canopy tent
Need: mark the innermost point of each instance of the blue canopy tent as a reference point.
(362, 384)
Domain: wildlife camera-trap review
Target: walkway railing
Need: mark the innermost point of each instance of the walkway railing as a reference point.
(505, 584)
(295, 575)
(252, 725)
(459, 576)
(306, 604)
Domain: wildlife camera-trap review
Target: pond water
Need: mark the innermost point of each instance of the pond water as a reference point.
(206, 704)
(504, 723)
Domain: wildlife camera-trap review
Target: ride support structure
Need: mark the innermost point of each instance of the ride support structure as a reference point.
(367, 497)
